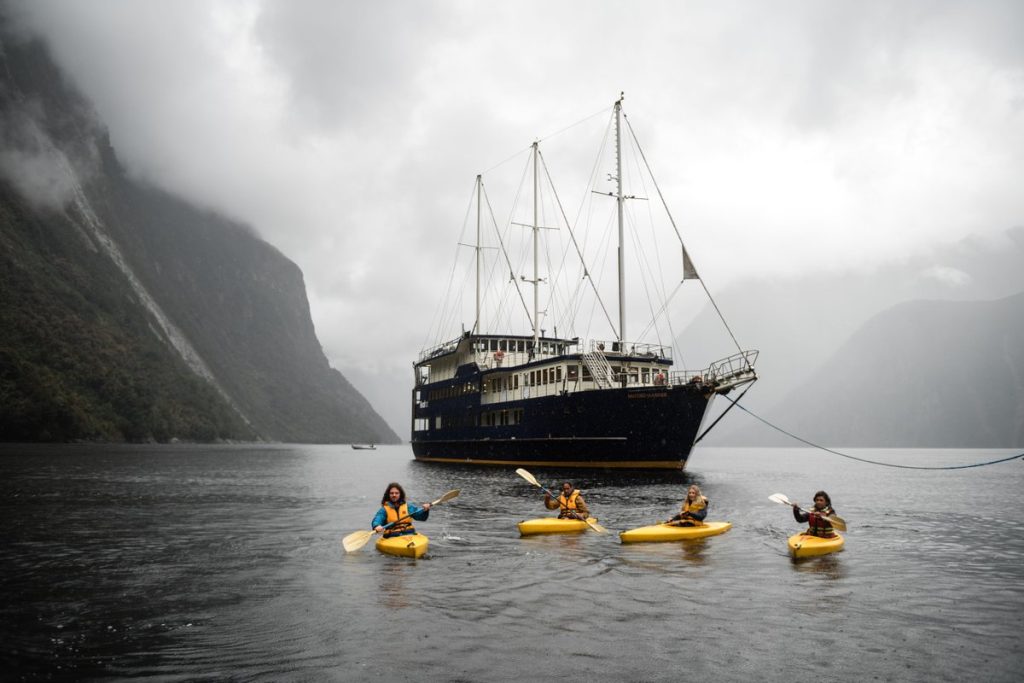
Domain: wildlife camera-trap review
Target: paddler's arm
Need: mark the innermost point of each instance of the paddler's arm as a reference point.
(550, 503)
(379, 519)
(798, 515)
(418, 513)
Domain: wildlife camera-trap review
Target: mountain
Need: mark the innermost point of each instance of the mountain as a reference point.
(128, 314)
(798, 323)
(922, 374)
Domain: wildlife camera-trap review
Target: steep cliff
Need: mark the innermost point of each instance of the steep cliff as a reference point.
(125, 312)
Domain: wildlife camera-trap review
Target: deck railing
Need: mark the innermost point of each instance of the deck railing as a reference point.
(641, 350)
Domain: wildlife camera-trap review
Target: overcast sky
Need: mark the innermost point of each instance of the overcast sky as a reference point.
(788, 137)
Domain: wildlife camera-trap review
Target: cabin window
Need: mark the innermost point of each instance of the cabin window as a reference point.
(572, 373)
(420, 424)
(437, 422)
(558, 374)
(545, 376)
(520, 346)
(586, 374)
(503, 345)
(515, 382)
(646, 376)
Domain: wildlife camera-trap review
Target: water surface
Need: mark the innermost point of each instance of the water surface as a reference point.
(224, 562)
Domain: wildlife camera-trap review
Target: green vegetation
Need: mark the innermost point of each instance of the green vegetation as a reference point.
(78, 358)
(82, 358)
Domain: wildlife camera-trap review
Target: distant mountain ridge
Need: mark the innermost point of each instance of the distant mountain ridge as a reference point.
(923, 374)
(128, 314)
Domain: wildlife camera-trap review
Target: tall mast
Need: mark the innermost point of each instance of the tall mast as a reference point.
(619, 200)
(476, 324)
(536, 273)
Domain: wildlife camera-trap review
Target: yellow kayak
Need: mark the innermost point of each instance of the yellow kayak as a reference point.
(805, 545)
(553, 525)
(410, 545)
(660, 533)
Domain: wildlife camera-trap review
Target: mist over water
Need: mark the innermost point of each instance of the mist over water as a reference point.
(225, 562)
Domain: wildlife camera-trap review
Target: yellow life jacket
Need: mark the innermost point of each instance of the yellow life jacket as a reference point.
(403, 527)
(696, 505)
(569, 504)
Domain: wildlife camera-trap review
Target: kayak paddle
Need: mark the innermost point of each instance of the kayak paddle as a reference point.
(357, 539)
(533, 480)
(835, 520)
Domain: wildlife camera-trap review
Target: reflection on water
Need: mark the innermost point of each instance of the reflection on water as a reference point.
(693, 550)
(392, 582)
(827, 566)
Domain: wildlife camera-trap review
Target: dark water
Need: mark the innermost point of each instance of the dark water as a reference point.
(198, 562)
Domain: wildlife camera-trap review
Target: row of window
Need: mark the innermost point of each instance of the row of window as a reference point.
(518, 346)
(452, 391)
(490, 418)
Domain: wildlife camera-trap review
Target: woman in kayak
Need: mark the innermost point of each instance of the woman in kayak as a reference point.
(817, 518)
(395, 510)
(570, 503)
(694, 509)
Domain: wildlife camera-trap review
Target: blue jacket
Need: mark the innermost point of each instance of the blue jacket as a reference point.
(415, 512)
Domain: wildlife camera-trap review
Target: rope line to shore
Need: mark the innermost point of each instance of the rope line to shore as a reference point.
(865, 460)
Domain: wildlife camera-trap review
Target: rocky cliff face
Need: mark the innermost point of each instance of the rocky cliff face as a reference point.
(126, 313)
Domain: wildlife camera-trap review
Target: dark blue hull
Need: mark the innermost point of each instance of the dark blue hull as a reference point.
(641, 427)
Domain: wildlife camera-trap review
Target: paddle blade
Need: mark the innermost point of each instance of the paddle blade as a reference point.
(779, 498)
(597, 527)
(837, 522)
(446, 497)
(527, 476)
(356, 540)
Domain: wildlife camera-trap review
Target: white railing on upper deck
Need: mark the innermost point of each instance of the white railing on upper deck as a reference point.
(638, 350)
(722, 374)
(440, 349)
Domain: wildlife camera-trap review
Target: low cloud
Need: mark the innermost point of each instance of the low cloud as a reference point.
(947, 275)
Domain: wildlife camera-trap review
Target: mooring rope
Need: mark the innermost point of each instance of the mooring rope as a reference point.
(865, 460)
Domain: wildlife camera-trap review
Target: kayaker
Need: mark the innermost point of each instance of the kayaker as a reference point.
(817, 518)
(395, 509)
(694, 509)
(570, 503)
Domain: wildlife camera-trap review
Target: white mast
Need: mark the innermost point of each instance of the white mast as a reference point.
(619, 199)
(536, 273)
(476, 324)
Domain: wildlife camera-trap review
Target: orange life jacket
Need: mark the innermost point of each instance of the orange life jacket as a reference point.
(402, 527)
(568, 505)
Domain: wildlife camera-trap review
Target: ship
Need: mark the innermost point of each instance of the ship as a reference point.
(499, 396)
